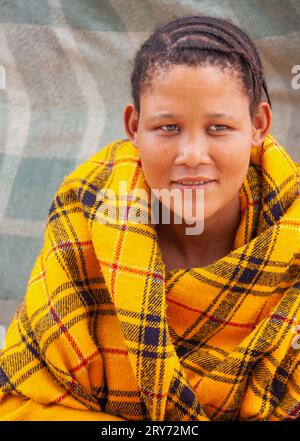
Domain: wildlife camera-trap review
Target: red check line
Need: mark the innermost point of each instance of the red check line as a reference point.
(293, 412)
(36, 278)
(282, 318)
(67, 334)
(62, 245)
(66, 245)
(223, 410)
(121, 237)
(153, 394)
(251, 204)
(71, 388)
(62, 397)
(114, 351)
(61, 325)
(130, 270)
(112, 163)
(85, 362)
(214, 319)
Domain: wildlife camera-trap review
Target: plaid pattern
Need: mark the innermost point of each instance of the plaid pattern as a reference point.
(103, 328)
(68, 65)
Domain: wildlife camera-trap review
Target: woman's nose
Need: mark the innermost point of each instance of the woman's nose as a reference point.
(192, 153)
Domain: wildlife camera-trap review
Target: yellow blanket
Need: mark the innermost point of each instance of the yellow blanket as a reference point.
(103, 331)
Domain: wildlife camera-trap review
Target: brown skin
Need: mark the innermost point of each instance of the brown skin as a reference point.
(211, 135)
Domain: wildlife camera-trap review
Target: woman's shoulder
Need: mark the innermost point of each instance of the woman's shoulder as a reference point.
(101, 161)
(84, 184)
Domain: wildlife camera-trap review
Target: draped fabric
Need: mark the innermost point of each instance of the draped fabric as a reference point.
(63, 60)
(104, 331)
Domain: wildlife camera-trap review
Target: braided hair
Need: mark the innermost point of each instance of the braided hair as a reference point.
(195, 40)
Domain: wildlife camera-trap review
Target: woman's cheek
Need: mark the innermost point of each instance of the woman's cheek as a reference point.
(235, 157)
(154, 171)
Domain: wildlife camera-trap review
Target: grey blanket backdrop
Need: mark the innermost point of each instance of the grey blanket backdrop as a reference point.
(64, 81)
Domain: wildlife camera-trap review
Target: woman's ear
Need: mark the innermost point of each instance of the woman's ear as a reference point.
(131, 121)
(261, 123)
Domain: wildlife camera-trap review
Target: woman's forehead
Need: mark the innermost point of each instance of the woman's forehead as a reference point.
(180, 79)
(194, 89)
(179, 71)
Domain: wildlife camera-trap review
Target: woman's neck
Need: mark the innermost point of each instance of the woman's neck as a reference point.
(215, 241)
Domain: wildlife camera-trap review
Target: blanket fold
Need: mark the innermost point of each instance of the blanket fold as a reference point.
(104, 331)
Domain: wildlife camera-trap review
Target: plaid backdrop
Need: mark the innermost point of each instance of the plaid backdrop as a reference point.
(67, 65)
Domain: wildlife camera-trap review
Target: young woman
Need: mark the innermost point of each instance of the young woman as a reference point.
(140, 320)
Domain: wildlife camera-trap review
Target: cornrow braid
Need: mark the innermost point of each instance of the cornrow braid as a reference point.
(195, 40)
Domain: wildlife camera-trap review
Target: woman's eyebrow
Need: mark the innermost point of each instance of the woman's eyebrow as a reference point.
(162, 115)
(220, 116)
(207, 115)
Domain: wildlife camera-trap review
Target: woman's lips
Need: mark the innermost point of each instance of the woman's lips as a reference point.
(193, 186)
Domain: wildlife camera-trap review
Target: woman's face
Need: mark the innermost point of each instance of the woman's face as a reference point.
(195, 122)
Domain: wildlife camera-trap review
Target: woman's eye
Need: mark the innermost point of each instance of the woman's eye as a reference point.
(213, 127)
(168, 125)
(217, 127)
